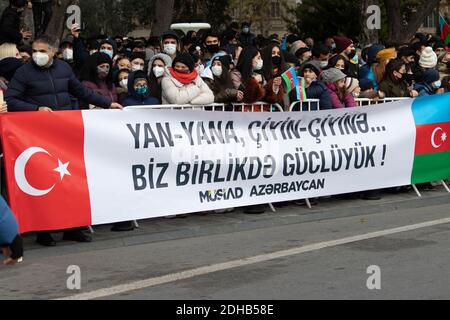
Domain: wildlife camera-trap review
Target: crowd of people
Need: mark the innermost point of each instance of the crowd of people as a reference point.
(205, 67)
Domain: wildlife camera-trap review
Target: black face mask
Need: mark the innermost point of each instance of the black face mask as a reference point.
(352, 54)
(408, 77)
(213, 48)
(276, 61)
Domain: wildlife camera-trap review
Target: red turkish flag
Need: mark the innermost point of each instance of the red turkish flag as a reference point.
(45, 169)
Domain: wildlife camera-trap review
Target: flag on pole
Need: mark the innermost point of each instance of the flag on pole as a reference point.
(292, 81)
(445, 30)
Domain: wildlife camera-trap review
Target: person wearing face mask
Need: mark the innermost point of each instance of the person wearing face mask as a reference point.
(408, 56)
(431, 83)
(337, 62)
(379, 67)
(248, 78)
(247, 38)
(347, 50)
(10, 61)
(97, 76)
(46, 85)
(157, 67)
(183, 85)
(273, 62)
(109, 47)
(352, 87)
(211, 43)
(10, 23)
(315, 89)
(121, 83)
(335, 80)
(321, 53)
(393, 83)
(137, 60)
(66, 50)
(221, 83)
(139, 91)
(170, 43)
(367, 71)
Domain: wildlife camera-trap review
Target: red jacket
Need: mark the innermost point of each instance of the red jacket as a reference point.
(348, 102)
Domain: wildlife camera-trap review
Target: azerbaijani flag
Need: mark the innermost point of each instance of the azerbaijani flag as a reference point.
(445, 30)
(432, 119)
(292, 82)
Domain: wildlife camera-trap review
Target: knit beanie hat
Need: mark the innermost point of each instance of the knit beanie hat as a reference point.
(428, 58)
(186, 59)
(314, 66)
(351, 84)
(342, 43)
(333, 75)
(297, 45)
(430, 76)
(386, 54)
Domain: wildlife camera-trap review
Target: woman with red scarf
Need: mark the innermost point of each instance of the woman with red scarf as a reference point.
(183, 85)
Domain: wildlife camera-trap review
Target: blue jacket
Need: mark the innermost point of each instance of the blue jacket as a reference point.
(9, 229)
(317, 90)
(134, 99)
(33, 87)
(424, 89)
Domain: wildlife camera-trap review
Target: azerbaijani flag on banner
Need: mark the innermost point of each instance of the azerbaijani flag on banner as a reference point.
(432, 119)
(445, 30)
(292, 81)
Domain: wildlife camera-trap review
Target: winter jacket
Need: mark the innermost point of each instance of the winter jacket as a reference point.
(9, 66)
(102, 89)
(10, 26)
(33, 87)
(424, 89)
(222, 93)
(317, 90)
(174, 92)
(134, 99)
(348, 102)
(391, 89)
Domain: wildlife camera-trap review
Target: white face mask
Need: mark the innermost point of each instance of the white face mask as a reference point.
(124, 83)
(68, 55)
(158, 71)
(41, 59)
(323, 64)
(259, 64)
(217, 71)
(136, 67)
(437, 84)
(170, 48)
(200, 69)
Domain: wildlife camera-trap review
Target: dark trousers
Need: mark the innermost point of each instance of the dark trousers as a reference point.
(42, 13)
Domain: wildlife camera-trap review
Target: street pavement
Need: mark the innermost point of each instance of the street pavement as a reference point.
(294, 253)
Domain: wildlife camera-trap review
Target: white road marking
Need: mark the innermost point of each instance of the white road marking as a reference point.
(150, 282)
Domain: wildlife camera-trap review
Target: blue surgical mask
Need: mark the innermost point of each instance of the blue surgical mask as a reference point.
(108, 52)
(436, 85)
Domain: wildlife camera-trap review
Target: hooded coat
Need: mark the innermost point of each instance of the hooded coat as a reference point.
(135, 99)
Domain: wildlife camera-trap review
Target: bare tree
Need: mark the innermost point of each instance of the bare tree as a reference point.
(400, 30)
(57, 27)
(163, 16)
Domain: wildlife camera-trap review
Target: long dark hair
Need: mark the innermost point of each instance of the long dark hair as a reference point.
(393, 65)
(89, 71)
(245, 64)
(268, 66)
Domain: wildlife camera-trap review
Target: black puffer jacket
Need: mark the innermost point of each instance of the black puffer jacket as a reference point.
(33, 87)
(10, 26)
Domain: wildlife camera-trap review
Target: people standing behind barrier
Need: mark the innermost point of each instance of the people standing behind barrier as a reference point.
(10, 240)
(428, 60)
(321, 53)
(211, 43)
(367, 90)
(123, 62)
(315, 89)
(301, 52)
(221, 84)
(346, 49)
(170, 43)
(393, 83)
(337, 62)
(157, 66)
(121, 83)
(367, 71)
(97, 76)
(248, 78)
(352, 87)
(137, 60)
(335, 80)
(139, 93)
(247, 38)
(183, 85)
(408, 56)
(430, 84)
(10, 30)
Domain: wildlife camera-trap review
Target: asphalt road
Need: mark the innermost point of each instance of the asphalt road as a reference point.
(295, 253)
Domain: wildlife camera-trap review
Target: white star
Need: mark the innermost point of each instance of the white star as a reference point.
(62, 169)
(444, 137)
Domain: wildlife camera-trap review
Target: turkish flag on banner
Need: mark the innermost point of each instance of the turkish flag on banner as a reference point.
(45, 169)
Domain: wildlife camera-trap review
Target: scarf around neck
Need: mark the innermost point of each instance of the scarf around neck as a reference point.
(184, 78)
